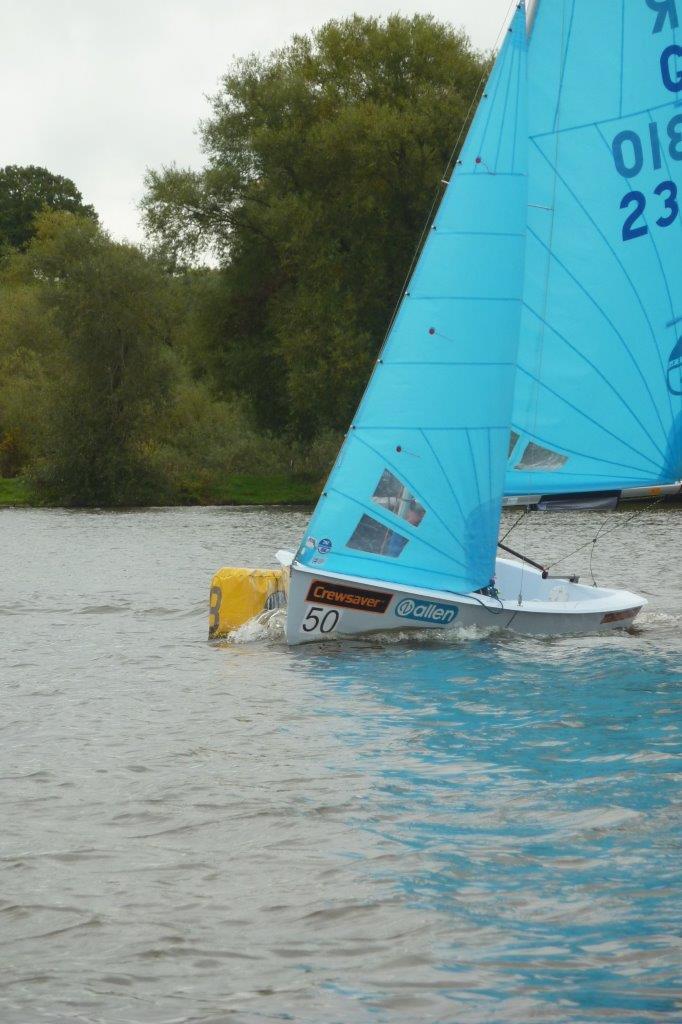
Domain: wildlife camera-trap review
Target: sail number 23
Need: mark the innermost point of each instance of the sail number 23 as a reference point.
(629, 150)
(629, 158)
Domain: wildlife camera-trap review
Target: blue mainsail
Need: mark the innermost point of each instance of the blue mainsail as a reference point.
(598, 403)
(415, 495)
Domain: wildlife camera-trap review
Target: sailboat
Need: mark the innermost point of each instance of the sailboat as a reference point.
(536, 350)
(596, 413)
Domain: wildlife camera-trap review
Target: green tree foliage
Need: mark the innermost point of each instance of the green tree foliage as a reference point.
(104, 398)
(112, 371)
(29, 361)
(26, 192)
(322, 163)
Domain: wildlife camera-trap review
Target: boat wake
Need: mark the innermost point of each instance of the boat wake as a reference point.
(270, 626)
(267, 626)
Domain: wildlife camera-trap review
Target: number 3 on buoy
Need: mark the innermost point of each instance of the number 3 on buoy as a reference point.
(321, 620)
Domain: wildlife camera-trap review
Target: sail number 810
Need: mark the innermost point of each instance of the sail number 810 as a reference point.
(628, 148)
(629, 158)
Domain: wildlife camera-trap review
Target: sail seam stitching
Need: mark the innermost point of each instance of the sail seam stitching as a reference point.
(613, 327)
(600, 426)
(611, 250)
(415, 490)
(375, 512)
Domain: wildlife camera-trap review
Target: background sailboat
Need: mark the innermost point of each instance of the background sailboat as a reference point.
(597, 409)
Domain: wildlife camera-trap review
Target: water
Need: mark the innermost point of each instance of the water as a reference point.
(474, 831)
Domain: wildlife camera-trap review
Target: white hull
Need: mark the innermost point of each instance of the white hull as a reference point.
(322, 606)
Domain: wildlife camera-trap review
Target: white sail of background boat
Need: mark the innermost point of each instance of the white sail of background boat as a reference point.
(537, 348)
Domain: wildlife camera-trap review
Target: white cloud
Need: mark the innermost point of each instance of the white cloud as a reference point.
(99, 90)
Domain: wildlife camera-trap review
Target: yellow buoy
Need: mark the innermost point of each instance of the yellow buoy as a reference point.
(238, 595)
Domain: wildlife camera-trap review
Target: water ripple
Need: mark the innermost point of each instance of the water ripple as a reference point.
(463, 827)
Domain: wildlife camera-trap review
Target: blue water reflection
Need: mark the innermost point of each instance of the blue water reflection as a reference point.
(528, 795)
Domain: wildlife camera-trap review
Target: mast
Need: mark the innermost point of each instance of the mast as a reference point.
(533, 6)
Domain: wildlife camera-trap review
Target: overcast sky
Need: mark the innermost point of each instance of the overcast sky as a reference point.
(100, 90)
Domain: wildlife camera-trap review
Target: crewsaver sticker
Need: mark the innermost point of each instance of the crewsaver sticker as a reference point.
(349, 597)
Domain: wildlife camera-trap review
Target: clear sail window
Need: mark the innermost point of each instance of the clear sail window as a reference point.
(513, 438)
(376, 539)
(538, 459)
(394, 496)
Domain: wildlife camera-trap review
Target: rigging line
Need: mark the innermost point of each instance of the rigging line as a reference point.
(594, 582)
(466, 124)
(513, 527)
(601, 533)
(489, 608)
(523, 569)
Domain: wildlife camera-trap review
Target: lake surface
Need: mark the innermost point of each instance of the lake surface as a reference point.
(466, 830)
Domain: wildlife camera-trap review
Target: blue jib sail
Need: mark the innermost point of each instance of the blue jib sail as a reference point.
(416, 492)
(598, 403)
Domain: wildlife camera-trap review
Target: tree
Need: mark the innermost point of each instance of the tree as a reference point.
(322, 163)
(29, 362)
(109, 304)
(24, 193)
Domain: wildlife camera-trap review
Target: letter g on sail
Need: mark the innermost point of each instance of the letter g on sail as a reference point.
(675, 370)
(672, 77)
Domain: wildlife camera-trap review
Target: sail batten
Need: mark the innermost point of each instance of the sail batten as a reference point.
(415, 495)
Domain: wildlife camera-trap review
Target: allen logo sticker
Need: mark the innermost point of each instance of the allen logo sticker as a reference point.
(426, 611)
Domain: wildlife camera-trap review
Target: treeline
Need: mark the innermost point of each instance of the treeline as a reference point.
(239, 340)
